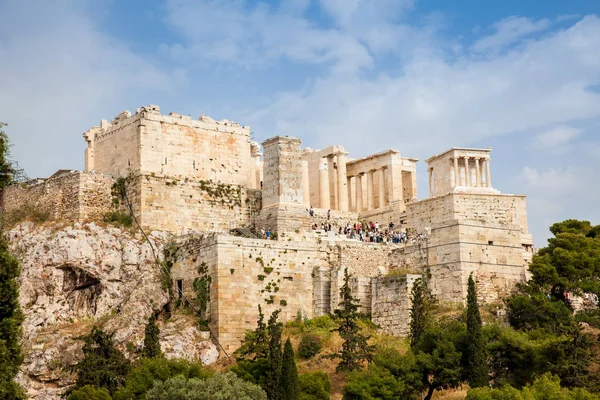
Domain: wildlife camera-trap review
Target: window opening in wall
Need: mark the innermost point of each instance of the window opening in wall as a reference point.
(179, 288)
(165, 160)
(490, 242)
(194, 163)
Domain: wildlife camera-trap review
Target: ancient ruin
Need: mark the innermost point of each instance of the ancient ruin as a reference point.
(207, 183)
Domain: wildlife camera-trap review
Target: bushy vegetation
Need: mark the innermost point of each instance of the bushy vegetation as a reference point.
(220, 386)
(11, 318)
(309, 346)
(314, 386)
(119, 218)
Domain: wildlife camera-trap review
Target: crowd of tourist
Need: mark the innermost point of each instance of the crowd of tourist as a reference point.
(366, 232)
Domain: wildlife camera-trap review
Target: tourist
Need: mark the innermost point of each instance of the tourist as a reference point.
(268, 234)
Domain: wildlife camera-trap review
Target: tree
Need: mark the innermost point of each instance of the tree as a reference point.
(90, 393)
(438, 357)
(102, 366)
(476, 359)
(220, 386)
(11, 319)
(7, 170)
(314, 386)
(355, 348)
(255, 345)
(274, 389)
(420, 311)
(151, 342)
(148, 370)
(289, 373)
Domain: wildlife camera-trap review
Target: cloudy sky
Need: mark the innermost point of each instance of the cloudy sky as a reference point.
(420, 76)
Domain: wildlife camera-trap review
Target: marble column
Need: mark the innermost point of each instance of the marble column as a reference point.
(370, 205)
(359, 193)
(305, 184)
(381, 187)
(488, 174)
(342, 183)
(467, 174)
(456, 172)
(430, 170)
(332, 185)
(477, 173)
(323, 184)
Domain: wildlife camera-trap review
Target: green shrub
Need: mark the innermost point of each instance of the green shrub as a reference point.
(220, 386)
(26, 212)
(374, 383)
(141, 378)
(310, 345)
(90, 393)
(118, 218)
(314, 386)
(252, 371)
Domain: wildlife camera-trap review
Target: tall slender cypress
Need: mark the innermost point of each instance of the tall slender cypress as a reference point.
(420, 312)
(476, 357)
(151, 341)
(289, 373)
(11, 319)
(275, 358)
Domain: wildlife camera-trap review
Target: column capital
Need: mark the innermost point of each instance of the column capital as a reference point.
(430, 169)
(466, 157)
(477, 158)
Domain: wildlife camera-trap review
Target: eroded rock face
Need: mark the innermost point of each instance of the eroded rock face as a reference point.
(77, 276)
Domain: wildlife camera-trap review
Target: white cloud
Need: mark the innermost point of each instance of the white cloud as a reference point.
(556, 137)
(60, 76)
(555, 181)
(509, 31)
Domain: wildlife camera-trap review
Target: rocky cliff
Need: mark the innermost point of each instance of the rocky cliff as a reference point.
(73, 277)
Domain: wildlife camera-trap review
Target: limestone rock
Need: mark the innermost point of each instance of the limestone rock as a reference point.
(73, 277)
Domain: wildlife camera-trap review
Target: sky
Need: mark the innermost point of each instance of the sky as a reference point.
(419, 76)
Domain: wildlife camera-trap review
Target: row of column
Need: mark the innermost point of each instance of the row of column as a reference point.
(370, 189)
(326, 174)
(479, 171)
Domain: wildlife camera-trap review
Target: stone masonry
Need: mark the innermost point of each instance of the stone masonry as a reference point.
(200, 179)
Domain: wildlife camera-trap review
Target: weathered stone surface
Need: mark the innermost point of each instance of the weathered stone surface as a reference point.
(76, 276)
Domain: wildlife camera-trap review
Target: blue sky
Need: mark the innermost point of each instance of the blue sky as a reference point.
(522, 77)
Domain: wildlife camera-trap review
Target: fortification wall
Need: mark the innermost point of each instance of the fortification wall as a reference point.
(115, 147)
(495, 210)
(70, 196)
(175, 204)
(390, 306)
(274, 274)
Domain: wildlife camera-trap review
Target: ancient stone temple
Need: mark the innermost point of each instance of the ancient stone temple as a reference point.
(210, 185)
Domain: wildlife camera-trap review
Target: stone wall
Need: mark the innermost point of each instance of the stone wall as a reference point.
(69, 195)
(179, 204)
(390, 306)
(172, 145)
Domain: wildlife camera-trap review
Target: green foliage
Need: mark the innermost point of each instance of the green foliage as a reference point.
(273, 387)
(26, 211)
(374, 383)
(475, 351)
(421, 310)
(438, 356)
(119, 218)
(102, 366)
(254, 371)
(7, 170)
(202, 289)
(170, 254)
(314, 386)
(355, 348)
(220, 386)
(289, 373)
(545, 387)
(309, 346)
(151, 341)
(11, 319)
(90, 393)
(255, 344)
(148, 370)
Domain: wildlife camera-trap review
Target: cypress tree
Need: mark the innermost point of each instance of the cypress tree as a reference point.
(11, 318)
(289, 373)
(103, 365)
(420, 311)
(151, 342)
(476, 358)
(275, 358)
(355, 348)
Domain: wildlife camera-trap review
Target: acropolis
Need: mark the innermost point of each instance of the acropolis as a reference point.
(214, 189)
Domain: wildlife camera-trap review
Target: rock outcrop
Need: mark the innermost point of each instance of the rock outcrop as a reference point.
(73, 277)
